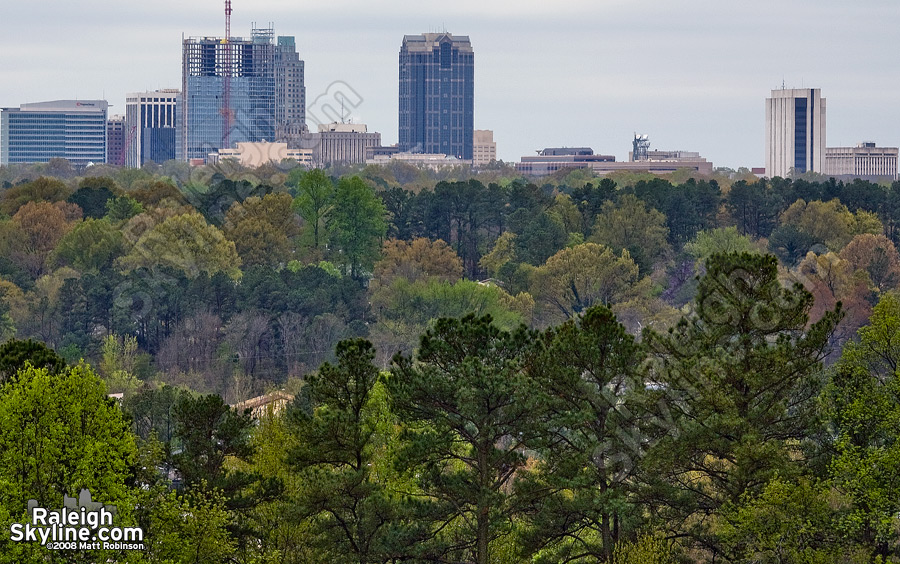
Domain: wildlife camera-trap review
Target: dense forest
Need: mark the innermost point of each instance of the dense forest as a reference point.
(484, 368)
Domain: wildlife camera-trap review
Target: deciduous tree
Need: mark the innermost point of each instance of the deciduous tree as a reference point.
(358, 219)
(576, 278)
(185, 243)
(629, 225)
(418, 259)
(314, 201)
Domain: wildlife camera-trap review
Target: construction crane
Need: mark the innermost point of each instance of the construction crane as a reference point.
(227, 113)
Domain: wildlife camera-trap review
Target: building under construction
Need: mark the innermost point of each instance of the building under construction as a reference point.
(238, 90)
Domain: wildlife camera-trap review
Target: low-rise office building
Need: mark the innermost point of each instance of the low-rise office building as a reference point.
(340, 143)
(257, 154)
(865, 161)
(75, 130)
(554, 159)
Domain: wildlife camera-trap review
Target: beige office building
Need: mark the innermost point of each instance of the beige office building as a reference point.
(864, 161)
(795, 132)
(256, 154)
(340, 143)
(484, 149)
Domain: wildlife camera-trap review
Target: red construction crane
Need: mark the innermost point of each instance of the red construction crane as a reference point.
(227, 113)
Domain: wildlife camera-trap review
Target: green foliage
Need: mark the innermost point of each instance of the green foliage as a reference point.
(122, 208)
(629, 225)
(862, 402)
(577, 278)
(262, 229)
(503, 253)
(718, 241)
(744, 375)
(91, 246)
(93, 196)
(786, 522)
(427, 300)
(829, 223)
(790, 244)
(314, 201)
(118, 363)
(59, 433)
(41, 190)
(468, 412)
(754, 206)
(353, 514)
(14, 354)
(185, 243)
(688, 208)
(151, 410)
(589, 368)
(358, 225)
(209, 431)
(186, 528)
(538, 237)
(645, 550)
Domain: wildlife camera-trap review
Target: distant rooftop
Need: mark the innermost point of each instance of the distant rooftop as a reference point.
(430, 41)
(559, 151)
(66, 106)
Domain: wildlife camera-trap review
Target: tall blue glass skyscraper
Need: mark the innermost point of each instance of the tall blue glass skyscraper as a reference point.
(264, 79)
(437, 94)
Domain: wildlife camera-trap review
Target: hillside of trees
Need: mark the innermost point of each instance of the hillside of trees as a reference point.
(485, 369)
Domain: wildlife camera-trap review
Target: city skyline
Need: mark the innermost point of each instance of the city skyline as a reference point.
(692, 75)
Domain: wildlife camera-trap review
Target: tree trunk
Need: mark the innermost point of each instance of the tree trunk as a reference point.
(607, 537)
(483, 518)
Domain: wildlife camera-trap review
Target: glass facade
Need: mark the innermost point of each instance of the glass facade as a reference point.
(290, 93)
(437, 74)
(69, 129)
(800, 141)
(149, 118)
(208, 124)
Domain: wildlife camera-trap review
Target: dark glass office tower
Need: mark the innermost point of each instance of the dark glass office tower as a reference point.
(437, 94)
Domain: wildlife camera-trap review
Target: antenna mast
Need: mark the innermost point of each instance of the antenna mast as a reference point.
(227, 114)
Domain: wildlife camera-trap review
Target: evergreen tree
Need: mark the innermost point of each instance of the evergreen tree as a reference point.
(742, 377)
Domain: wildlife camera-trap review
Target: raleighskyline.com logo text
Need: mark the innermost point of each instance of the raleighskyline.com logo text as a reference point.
(88, 525)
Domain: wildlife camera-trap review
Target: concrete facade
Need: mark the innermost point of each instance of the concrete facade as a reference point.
(864, 161)
(340, 143)
(256, 154)
(553, 159)
(484, 149)
(795, 132)
(151, 123)
(433, 161)
(115, 140)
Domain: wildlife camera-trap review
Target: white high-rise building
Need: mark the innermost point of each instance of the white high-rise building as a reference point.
(150, 126)
(795, 132)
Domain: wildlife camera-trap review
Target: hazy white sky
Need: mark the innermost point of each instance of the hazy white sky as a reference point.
(692, 74)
